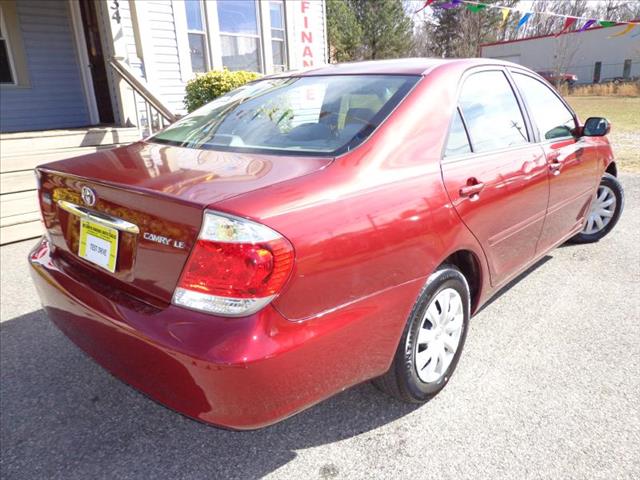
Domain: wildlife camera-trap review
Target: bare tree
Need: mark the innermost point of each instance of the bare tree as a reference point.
(616, 10)
(565, 49)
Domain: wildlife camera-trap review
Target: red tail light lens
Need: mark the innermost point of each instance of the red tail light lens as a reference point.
(236, 267)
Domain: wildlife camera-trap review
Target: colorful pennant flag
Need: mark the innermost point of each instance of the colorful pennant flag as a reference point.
(568, 23)
(448, 5)
(426, 4)
(587, 24)
(605, 24)
(505, 14)
(523, 20)
(628, 28)
(476, 8)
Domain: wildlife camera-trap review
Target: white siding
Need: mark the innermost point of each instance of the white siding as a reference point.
(167, 78)
(129, 35)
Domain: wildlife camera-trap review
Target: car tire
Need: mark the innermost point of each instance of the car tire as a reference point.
(407, 380)
(609, 190)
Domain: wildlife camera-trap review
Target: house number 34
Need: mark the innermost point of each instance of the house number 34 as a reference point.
(115, 6)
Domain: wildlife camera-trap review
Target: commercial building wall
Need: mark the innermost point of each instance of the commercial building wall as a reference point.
(577, 53)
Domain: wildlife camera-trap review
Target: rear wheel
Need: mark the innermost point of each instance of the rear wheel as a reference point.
(432, 340)
(605, 211)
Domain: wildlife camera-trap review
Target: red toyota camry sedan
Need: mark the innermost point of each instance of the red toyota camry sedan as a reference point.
(314, 230)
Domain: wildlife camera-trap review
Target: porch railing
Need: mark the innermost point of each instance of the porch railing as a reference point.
(152, 114)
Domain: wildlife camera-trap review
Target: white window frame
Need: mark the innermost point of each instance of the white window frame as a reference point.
(86, 75)
(283, 40)
(260, 17)
(7, 42)
(204, 32)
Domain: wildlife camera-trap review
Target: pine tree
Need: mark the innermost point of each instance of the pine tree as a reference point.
(344, 31)
(386, 28)
(368, 29)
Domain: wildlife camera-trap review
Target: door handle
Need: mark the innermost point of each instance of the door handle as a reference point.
(472, 189)
(554, 163)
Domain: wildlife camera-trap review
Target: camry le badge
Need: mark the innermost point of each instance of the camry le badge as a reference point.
(161, 239)
(88, 196)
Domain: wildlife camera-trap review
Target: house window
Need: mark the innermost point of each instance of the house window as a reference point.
(278, 39)
(197, 36)
(239, 35)
(626, 70)
(7, 75)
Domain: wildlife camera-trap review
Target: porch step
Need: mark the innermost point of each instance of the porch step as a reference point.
(21, 231)
(27, 161)
(21, 152)
(21, 142)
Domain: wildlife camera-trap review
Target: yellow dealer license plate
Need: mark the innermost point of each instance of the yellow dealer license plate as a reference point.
(98, 244)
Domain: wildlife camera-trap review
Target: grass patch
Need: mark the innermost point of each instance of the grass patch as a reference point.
(624, 115)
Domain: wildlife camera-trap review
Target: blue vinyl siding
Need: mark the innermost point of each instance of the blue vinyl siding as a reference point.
(55, 97)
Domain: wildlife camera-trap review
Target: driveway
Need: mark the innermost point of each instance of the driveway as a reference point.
(548, 387)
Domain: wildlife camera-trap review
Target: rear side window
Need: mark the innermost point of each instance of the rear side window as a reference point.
(491, 112)
(553, 118)
(458, 142)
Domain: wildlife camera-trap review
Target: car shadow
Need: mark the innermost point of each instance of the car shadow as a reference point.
(62, 416)
(513, 282)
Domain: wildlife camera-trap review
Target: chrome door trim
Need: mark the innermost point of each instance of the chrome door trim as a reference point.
(99, 217)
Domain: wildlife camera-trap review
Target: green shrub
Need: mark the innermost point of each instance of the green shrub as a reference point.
(209, 86)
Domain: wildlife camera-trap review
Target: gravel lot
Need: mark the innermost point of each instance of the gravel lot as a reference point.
(548, 387)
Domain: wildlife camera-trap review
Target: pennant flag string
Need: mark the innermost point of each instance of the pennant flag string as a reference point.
(602, 23)
(570, 21)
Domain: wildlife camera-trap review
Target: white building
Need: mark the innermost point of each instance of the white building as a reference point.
(78, 76)
(591, 55)
(56, 55)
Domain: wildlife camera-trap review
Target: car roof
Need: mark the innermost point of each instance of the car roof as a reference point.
(402, 66)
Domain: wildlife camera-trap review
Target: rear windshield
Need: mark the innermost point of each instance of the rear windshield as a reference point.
(313, 115)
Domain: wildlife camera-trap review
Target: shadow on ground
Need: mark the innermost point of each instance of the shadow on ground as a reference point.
(65, 417)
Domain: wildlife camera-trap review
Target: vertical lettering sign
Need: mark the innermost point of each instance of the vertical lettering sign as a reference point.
(306, 35)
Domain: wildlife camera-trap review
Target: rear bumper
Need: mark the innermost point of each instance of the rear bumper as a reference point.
(240, 373)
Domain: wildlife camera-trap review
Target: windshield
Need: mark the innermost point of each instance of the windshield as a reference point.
(315, 115)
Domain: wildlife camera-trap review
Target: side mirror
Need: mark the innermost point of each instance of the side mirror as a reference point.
(596, 127)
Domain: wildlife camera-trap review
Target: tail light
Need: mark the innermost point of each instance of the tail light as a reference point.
(235, 268)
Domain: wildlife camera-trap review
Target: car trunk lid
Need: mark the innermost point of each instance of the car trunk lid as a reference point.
(147, 207)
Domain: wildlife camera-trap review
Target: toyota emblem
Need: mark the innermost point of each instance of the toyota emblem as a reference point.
(88, 196)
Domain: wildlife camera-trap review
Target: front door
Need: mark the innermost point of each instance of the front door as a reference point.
(96, 60)
(496, 179)
(573, 165)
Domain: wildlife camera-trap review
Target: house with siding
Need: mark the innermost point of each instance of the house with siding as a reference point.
(81, 75)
